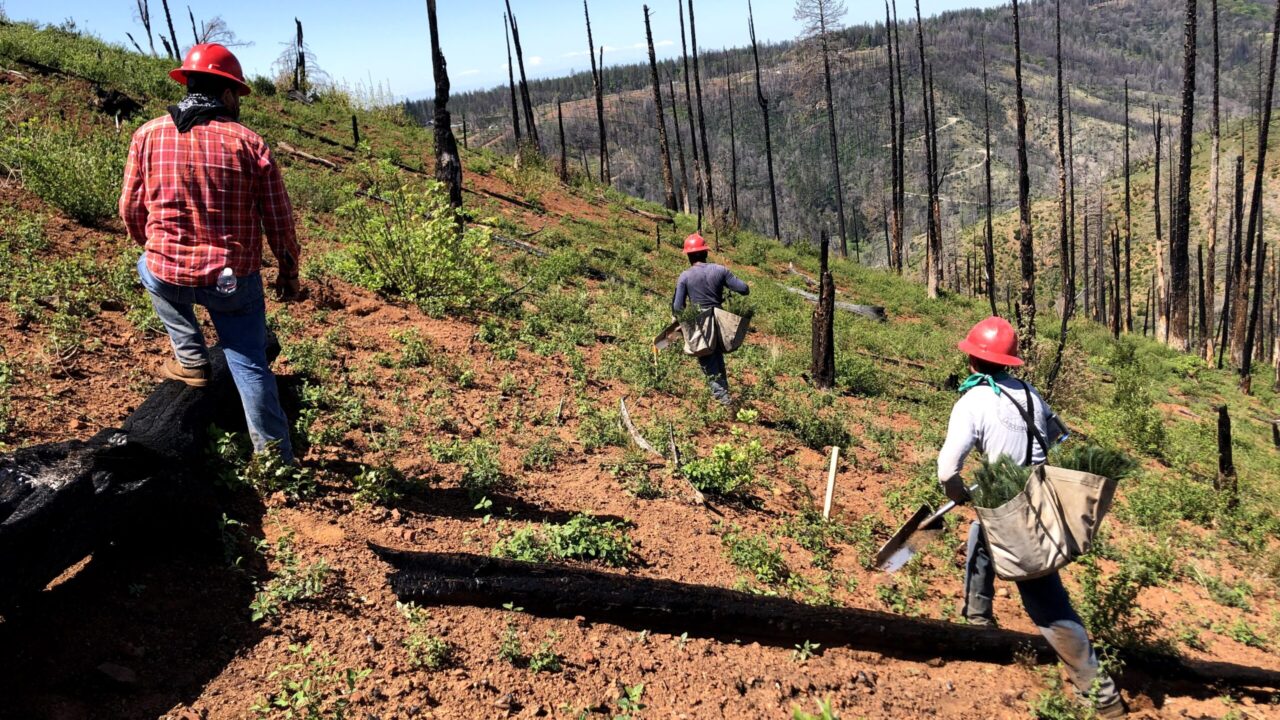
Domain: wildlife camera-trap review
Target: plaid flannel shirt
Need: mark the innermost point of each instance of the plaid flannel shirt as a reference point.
(200, 201)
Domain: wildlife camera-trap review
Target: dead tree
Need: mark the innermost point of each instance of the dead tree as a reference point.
(300, 67)
(531, 126)
(1255, 316)
(702, 117)
(902, 249)
(932, 262)
(693, 133)
(168, 49)
(1128, 220)
(819, 18)
(1202, 323)
(988, 240)
(562, 169)
(1087, 267)
(893, 220)
(768, 134)
(195, 35)
(511, 83)
(733, 153)
(1161, 321)
(1071, 193)
(1064, 251)
(1226, 481)
(823, 367)
(1179, 238)
(684, 169)
(1234, 242)
(174, 48)
(1241, 319)
(448, 164)
(663, 147)
(935, 207)
(1211, 261)
(1117, 314)
(144, 17)
(1026, 245)
(355, 131)
(606, 173)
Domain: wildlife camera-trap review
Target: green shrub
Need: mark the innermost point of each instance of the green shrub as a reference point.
(292, 583)
(599, 428)
(541, 455)
(581, 538)
(410, 247)
(312, 686)
(481, 469)
(383, 485)
(428, 652)
(755, 554)
(78, 173)
(816, 430)
(1109, 605)
(1155, 502)
(857, 375)
(728, 470)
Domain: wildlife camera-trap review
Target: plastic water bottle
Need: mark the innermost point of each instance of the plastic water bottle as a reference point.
(226, 281)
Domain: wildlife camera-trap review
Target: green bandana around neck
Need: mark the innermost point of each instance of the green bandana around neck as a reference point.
(977, 379)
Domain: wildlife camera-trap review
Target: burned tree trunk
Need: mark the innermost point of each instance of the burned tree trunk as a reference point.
(300, 64)
(1211, 261)
(1202, 321)
(768, 134)
(355, 131)
(175, 48)
(195, 35)
(1234, 241)
(144, 16)
(702, 116)
(663, 147)
(1064, 251)
(693, 133)
(823, 366)
(733, 153)
(1161, 323)
(1026, 244)
(1255, 317)
(606, 173)
(893, 220)
(988, 240)
(511, 81)
(562, 168)
(1088, 267)
(448, 164)
(1241, 319)
(1179, 240)
(1128, 220)
(531, 127)
(1117, 315)
(1226, 481)
(684, 170)
(932, 263)
(900, 196)
(935, 207)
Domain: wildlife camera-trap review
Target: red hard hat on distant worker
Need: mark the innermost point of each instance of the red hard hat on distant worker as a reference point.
(212, 59)
(993, 340)
(694, 243)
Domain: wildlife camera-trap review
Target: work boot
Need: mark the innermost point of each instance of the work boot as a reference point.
(194, 376)
(1114, 710)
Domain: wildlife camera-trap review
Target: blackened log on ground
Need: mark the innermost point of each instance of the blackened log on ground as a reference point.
(703, 611)
(61, 502)
(874, 312)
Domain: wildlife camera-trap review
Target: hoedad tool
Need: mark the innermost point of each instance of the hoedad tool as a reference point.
(923, 527)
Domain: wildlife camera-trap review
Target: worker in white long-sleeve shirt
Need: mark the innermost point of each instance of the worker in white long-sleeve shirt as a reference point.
(1001, 415)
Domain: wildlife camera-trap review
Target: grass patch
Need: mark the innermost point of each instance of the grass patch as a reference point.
(582, 538)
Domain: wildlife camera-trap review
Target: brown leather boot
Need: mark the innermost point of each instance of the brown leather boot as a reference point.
(193, 376)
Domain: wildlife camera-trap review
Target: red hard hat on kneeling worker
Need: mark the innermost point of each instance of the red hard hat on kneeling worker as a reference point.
(694, 243)
(993, 340)
(212, 59)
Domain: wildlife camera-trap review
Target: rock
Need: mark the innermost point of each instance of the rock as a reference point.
(935, 662)
(396, 516)
(950, 686)
(1002, 592)
(372, 642)
(587, 658)
(506, 702)
(118, 673)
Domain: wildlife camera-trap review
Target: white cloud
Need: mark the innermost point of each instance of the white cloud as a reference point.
(535, 60)
(664, 43)
(465, 73)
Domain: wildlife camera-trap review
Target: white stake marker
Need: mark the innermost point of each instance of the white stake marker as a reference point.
(831, 484)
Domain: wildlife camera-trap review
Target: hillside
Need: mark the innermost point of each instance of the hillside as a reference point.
(1105, 44)
(486, 426)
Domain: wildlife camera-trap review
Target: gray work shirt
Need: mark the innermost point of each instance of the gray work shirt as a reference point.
(704, 284)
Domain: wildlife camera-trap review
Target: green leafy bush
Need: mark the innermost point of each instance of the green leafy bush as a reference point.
(312, 686)
(857, 375)
(816, 430)
(75, 172)
(428, 652)
(410, 246)
(755, 554)
(481, 469)
(581, 538)
(382, 485)
(727, 470)
(292, 583)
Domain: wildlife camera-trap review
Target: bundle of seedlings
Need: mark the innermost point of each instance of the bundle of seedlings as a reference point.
(740, 306)
(1094, 459)
(998, 481)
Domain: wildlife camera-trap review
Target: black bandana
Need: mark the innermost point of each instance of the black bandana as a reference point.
(197, 109)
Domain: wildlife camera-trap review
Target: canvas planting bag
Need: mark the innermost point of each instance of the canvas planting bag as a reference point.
(732, 328)
(700, 334)
(1051, 523)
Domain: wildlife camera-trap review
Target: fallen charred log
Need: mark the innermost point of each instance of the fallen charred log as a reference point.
(61, 502)
(703, 611)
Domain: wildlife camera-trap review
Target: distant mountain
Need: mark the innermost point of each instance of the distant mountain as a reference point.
(1106, 42)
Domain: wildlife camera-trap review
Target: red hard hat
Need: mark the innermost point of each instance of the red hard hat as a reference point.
(212, 59)
(694, 243)
(993, 340)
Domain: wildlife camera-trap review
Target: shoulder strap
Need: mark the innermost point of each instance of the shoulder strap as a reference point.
(1028, 417)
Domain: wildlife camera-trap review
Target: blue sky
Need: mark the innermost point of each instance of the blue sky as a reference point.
(384, 42)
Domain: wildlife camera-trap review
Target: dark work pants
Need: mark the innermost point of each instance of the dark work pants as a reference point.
(713, 368)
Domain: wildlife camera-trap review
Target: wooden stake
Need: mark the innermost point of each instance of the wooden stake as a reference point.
(831, 483)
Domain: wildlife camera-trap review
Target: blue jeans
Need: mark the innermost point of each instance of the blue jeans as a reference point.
(241, 321)
(717, 377)
(1049, 605)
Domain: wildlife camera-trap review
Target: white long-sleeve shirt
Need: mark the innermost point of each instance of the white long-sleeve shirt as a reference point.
(989, 422)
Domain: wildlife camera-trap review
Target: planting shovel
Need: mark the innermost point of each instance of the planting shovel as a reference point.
(663, 341)
(912, 537)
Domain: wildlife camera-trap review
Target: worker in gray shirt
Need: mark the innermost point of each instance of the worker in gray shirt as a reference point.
(703, 285)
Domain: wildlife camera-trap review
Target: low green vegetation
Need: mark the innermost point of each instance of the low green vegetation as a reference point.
(78, 173)
(293, 582)
(310, 686)
(756, 555)
(582, 538)
(728, 470)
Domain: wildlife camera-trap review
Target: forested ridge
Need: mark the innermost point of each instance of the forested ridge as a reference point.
(1105, 43)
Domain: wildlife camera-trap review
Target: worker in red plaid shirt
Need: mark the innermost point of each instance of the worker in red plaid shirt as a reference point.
(200, 191)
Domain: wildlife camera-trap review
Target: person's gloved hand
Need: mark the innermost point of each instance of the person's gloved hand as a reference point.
(288, 288)
(955, 490)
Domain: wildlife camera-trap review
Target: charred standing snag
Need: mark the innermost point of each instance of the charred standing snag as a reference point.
(823, 366)
(448, 164)
(664, 148)
(768, 135)
(1026, 246)
(1179, 258)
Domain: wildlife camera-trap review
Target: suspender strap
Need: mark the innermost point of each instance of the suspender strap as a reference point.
(1029, 418)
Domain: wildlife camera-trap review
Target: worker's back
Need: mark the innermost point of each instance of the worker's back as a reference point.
(703, 285)
(198, 199)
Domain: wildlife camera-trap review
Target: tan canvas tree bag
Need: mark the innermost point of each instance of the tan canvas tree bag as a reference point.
(733, 330)
(701, 334)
